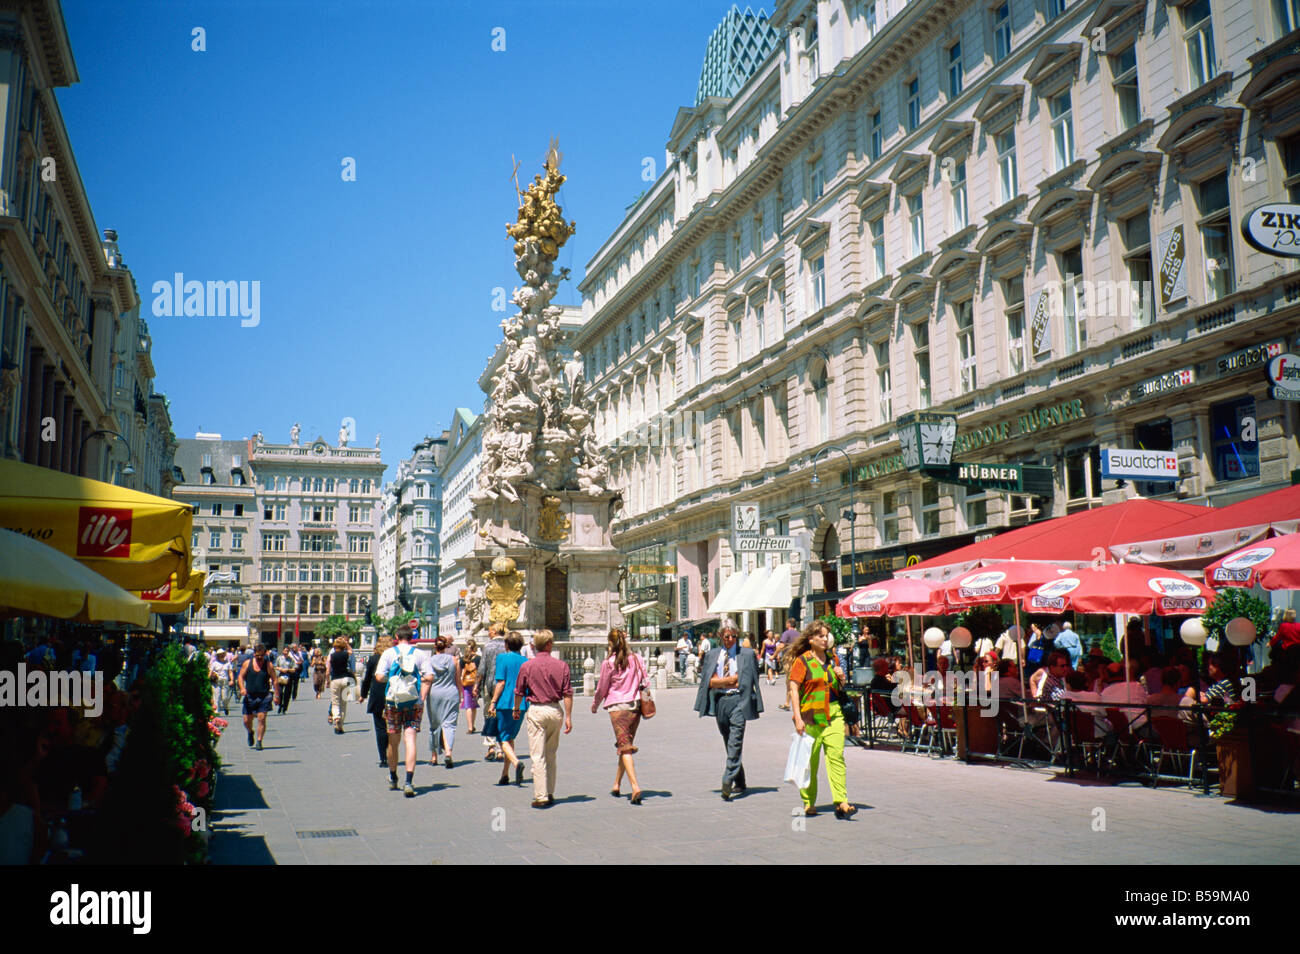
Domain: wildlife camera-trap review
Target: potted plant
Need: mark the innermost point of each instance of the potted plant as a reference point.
(1232, 746)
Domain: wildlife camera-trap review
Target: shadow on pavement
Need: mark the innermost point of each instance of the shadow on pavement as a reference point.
(573, 798)
(238, 793)
(233, 847)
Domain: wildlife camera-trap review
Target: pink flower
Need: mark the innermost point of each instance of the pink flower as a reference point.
(202, 789)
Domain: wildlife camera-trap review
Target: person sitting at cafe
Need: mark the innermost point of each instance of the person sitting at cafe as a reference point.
(1287, 635)
(1093, 667)
(1086, 698)
(1009, 685)
(1152, 669)
(1223, 689)
(1123, 690)
(1058, 667)
(1167, 696)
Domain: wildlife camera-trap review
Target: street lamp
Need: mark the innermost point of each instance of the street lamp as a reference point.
(128, 470)
(851, 514)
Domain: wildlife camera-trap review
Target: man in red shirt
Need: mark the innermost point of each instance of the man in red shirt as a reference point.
(1288, 634)
(545, 681)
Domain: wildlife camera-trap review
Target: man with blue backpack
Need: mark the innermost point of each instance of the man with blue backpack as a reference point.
(406, 673)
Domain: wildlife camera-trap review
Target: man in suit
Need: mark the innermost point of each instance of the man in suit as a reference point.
(729, 692)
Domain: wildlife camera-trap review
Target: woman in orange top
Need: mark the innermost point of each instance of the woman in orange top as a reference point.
(813, 686)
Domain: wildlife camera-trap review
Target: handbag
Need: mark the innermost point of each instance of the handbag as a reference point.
(490, 727)
(647, 703)
(282, 681)
(798, 763)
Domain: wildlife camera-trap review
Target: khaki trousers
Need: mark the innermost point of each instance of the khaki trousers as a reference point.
(338, 698)
(544, 723)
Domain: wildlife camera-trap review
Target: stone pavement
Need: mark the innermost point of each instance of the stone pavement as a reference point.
(913, 808)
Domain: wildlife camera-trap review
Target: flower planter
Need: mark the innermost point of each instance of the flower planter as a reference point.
(1236, 768)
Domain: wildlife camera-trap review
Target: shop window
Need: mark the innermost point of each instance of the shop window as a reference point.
(1155, 435)
(1082, 474)
(1235, 458)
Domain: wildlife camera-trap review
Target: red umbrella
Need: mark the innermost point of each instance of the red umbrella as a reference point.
(999, 583)
(1131, 588)
(893, 598)
(905, 598)
(1273, 564)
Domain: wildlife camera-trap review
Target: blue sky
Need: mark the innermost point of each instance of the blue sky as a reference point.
(226, 165)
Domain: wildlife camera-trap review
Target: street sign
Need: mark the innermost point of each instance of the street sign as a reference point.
(1118, 463)
(1284, 372)
(1027, 479)
(757, 544)
(744, 518)
(458, 625)
(1273, 228)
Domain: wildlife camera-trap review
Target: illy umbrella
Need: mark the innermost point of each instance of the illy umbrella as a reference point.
(136, 540)
(1273, 564)
(38, 580)
(906, 598)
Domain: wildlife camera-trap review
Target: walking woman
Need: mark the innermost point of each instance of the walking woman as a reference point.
(813, 687)
(622, 675)
(372, 694)
(470, 661)
(508, 664)
(340, 680)
(317, 670)
(444, 700)
(769, 657)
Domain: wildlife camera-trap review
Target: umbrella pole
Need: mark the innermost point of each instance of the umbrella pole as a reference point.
(907, 625)
(1020, 643)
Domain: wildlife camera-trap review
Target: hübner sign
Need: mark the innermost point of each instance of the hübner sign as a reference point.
(1119, 464)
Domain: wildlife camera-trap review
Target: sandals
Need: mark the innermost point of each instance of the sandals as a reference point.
(636, 797)
(846, 813)
(616, 792)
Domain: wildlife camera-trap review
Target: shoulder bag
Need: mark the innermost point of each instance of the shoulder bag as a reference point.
(647, 699)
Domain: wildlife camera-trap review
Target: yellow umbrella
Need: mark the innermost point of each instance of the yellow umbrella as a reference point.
(170, 598)
(136, 540)
(39, 580)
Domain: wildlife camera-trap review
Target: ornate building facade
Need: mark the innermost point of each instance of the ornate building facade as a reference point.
(460, 477)
(407, 563)
(1022, 213)
(76, 377)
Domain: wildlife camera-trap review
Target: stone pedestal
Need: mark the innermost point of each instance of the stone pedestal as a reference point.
(562, 537)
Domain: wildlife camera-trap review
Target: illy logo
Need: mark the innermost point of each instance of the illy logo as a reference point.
(103, 532)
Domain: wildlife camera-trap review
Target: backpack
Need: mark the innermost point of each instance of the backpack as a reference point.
(403, 680)
(469, 674)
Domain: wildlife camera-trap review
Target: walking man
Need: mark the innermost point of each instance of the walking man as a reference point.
(406, 673)
(256, 688)
(544, 680)
(729, 692)
(495, 645)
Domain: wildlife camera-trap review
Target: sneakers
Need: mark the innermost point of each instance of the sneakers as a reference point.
(250, 738)
(450, 763)
(409, 791)
(392, 782)
(259, 745)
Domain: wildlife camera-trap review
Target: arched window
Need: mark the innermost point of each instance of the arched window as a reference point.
(302, 604)
(315, 605)
(325, 605)
(276, 604)
(365, 485)
(318, 485)
(822, 402)
(329, 485)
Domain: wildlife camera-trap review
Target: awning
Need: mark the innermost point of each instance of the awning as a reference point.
(170, 598)
(639, 607)
(136, 540)
(750, 596)
(776, 591)
(37, 579)
(731, 587)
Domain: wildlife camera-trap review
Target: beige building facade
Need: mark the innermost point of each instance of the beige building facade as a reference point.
(1026, 214)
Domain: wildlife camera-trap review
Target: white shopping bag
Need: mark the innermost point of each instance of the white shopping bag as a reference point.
(798, 765)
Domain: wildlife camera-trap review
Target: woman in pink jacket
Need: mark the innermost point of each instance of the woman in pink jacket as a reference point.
(622, 675)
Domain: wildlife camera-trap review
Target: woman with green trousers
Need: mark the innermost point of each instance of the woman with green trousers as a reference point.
(813, 687)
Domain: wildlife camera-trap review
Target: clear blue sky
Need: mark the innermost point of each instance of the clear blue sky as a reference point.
(375, 294)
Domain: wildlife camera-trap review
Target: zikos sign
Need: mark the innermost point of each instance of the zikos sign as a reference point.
(1273, 228)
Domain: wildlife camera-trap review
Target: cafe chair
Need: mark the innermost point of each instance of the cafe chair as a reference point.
(1174, 746)
(923, 725)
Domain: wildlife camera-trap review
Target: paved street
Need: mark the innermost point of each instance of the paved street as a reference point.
(913, 808)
